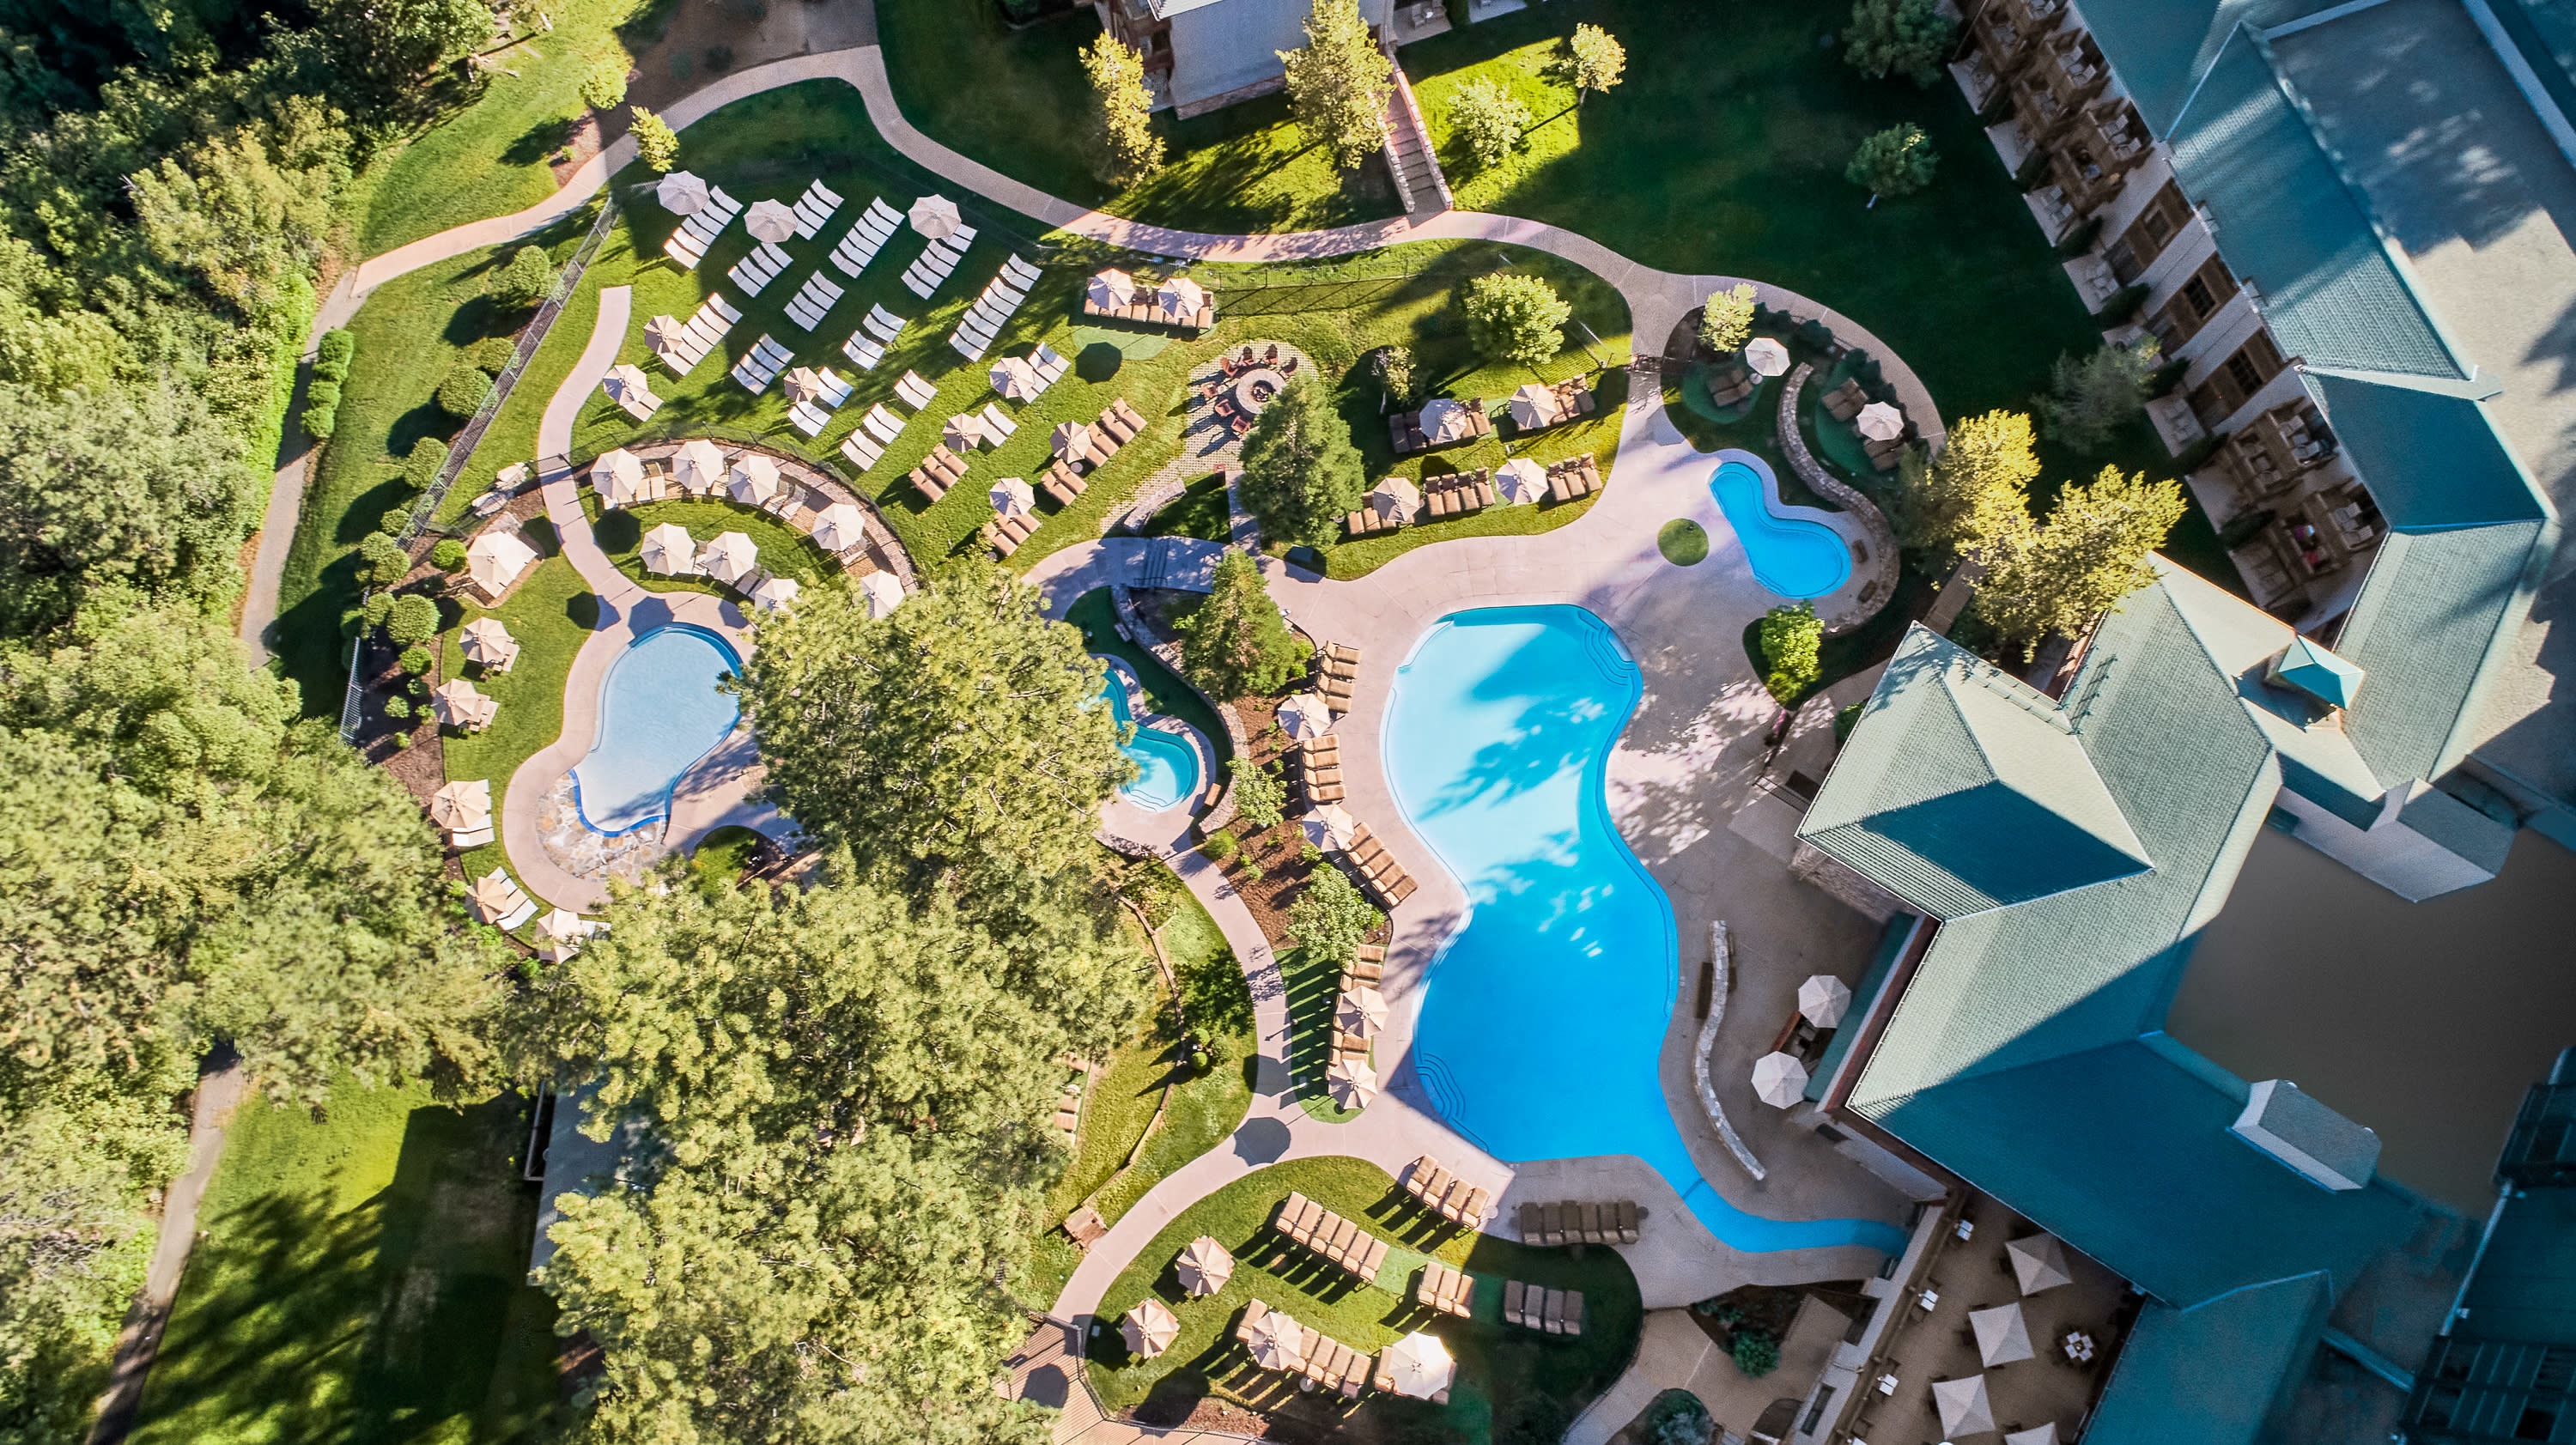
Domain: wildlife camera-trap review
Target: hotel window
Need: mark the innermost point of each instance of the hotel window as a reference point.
(2190, 308)
(2145, 240)
(2226, 389)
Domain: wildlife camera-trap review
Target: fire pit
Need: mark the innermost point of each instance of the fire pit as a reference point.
(1253, 389)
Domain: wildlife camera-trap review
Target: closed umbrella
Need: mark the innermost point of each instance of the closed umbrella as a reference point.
(1306, 715)
(698, 466)
(489, 645)
(1016, 380)
(2003, 1336)
(662, 333)
(1417, 1365)
(1766, 356)
(625, 382)
(753, 481)
(1011, 497)
(618, 477)
(1180, 298)
(1779, 1080)
(1149, 1328)
(496, 559)
(1360, 1011)
(770, 221)
(494, 897)
(2038, 1263)
(1822, 1000)
(1351, 1082)
(1521, 480)
(964, 432)
(1964, 1406)
(775, 595)
(559, 934)
(729, 558)
(1330, 826)
(1074, 441)
(1444, 420)
(1396, 498)
(463, 805)
(669, 551)
(681, 193)
(1111, 290)
(1536, 406)
(839, 527)
(802, 384)
(882, 591)
(1276, 1342)
(1880, 422)
(1204, 1266)
(936, 217)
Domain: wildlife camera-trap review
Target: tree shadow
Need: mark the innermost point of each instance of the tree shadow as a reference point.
(540, 140)
(617, 532)
(1099, 361)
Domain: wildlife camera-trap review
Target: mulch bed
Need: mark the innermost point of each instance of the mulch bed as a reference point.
(1275, 849)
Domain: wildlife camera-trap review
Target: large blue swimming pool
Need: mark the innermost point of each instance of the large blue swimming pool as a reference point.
(1545, 1016)
(659, 712)
(1167, 767)
(1791, 556)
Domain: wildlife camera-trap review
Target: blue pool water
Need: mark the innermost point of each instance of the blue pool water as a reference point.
(659, 712)
(1542, 1021)
(1167, 767)
(1791, 556)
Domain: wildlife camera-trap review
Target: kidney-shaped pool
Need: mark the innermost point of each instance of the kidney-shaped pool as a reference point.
(1792, 557)
(659, 712)
(1544, 1018)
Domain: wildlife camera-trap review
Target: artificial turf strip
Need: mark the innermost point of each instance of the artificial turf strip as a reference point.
(361, 1280)
(1512, 1383)
(551, 613)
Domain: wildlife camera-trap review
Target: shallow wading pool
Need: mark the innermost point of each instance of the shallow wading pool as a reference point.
(1791, 557)
(659, 712)
(1167, 767)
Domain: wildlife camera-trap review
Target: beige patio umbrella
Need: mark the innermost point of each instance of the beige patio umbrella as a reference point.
(839, 527)
(681, 193)
(1149, 1328)
(1276, 1342)
(1204, 1266)
(1418, 1365)
(1180, 298)
(1536, 406)
(1011, 497)
(1074, 441)
(494, 897)
(729, 558)
(1444, 420)
(1351, 1082)
(618, 478)
(2003, 1336)
(559, 934)
(669, 551)
(1521, 480)
(457, 704)
(1880, 422)
(1360, 1011)
(1822, 1000)
(488, 644)
(495, 559)
(1766, 356)
(936, 217)
(1397, 498)
(882, 591)
(1015, 379)
(2038, 1262)
(698, 466)
(462, 806)
(1111, 290)
(777, 594)
(1305, 716)
(1779, 1080)
(1964, 1406)
(964, 432)
(771, 221)
(663, 332)
(1330, 826)
(2044, 1433)
(753, 480)
(802, 384)
(625, 381)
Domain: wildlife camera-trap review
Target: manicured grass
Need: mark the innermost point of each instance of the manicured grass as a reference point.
(551, 614)
(620, 533)
(361, 1279)
(1200, 511)
(1164, 693)
(512, 437)
(1513, 1384)
(721, 856)
(1313, 990)
(1683, 542)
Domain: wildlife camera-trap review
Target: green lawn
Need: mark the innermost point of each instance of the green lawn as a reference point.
(360, 1279)
(1513, 1384)
(1164, 693)
(1313, 990)
(1200, 511)
(620, 533)
(551, 614)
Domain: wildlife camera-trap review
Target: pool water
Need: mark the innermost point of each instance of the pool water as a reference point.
(1791, 556)
(659, 712)
(1544, 1017)
(1167, 767)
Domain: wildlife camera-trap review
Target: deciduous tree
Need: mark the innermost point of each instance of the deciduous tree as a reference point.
(2091, 398)
(1259, 796)
(1897, 161)
(1339, 82)
(1899, 37)
(1235, 643)
(1976, 491)
(2060, 575)
(1301, 475)
(1488, 120)
(1726, 321)
(1594, 61)
(246, 210)
(1122, 112)
(1515, 316)
(1791, 640)
(1330, 919)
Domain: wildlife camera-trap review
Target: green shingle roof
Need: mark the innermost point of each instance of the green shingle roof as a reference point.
(2437, 615)
(2161, 47)
(2432, 460)
(2316, 671)
(2212, 1373)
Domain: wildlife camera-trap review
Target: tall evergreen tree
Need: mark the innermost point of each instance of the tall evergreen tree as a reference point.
(1122, 112)
(1301, 475)
(1899, 37)
(1234, 643)
(1338, 83)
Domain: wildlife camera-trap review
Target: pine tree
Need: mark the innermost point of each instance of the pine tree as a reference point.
(2090, 399)
(1339, 83)
(1234, 643)
(1975, 492)
(1122, 110)
(1515, 316)
(1899, 37)
(1488, 120)
(656, 144)
(2060, 575)
(1897, 161)
(1301, 475)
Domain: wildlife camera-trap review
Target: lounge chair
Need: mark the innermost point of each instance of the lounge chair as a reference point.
(867, 236)
(754, 272)
(863, 350)
(808, 418)
(1845, 401)
(998, 425)
(862, 450)
(1062, 483)
(688, 244)
(915, 392)
(814, 209)
(882, 424)
(813, 302)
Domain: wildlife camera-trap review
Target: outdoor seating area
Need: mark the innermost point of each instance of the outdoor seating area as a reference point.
(1330, 1237)
(1381, 877)
(1442, 422)
(1444, 1194)
(1730, 381)
(1444, 1290)
(760, 366)
(496, 899)
(1244, 383)
(1576, 1222)
(933, 266)
(627, 386)
(1337, 669)
(708, 211)
(1455, 494)
(813, 302)
(859, 246)
(1550, 1311)
(1536, 407)
(1574, 477)
(1278, 1342)
(462, 809)
(754, 272)
(938, 472)
(984, 320)
(681, 347)
(1174, 303)
(1318, 771)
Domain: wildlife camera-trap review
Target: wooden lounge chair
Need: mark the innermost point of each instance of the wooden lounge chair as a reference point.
(1062, 483)
(1350, 1044)
(1515, 1301)
(1845, 401)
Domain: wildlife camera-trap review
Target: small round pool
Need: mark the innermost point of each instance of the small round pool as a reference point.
(1791, 556)
(659, 712)
(1167, 767)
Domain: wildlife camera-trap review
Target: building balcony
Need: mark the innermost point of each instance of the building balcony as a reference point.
(1977, 79)
(2268, 456)
(2112, 130)
(2055, 213)
(2175, 426)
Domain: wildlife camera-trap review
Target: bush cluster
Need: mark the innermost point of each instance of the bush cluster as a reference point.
(330, 374)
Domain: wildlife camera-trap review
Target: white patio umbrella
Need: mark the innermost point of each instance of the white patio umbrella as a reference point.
(1536, 406)
(698, 466)
(1779, 1080)
(1204, 1266)
(839, 527)
(1766, 356)
(753, 480)
(559, 934)
(1822, 999)
(882, 592)
(625, 380)
(2044, 1433)
(1111, 290)
(1276, 1342)
(729, 558)
(1880, 422)
(494, 897)
(1521, 480)
(1330, 826)
(495, 559)
(964, 432)
(1074, 441)
(1397, 498)
(2038, 1263)
(669, 551)
(1360, 1011)
(1011, 497)
(681, 193)
(489, 645)
(1149, 1328)
(618, 478)
(1351, 1082)
(2003, 1336)
(458, 705)
(1418, 1365)
(1305, 716)
(775, 595)
(662, 333)
(936, 217)
(1964, 1406)
(1180, 298)
(771, 221)
(1444, 420)
(802, 384)
(462, 805)
(1016, 380)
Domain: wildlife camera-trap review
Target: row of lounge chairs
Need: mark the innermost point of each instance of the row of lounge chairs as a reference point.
(1574, 399)
(1337, 670)
(984, 320)
(810, 417)
(1404, 429)
(867, 236)
(1576, 1222)
(1319, 771)
(866, 346)
(697, 231)
(1845, 401)
(706, 327)
(1447, 1195)
(814, 209)
(1455, 494)
(1147, 311)
(1574, 477)
(1117, 426)
(813, 302)
(1444, 1290)
(760, 366)
(754, 272)
(1328, 1362)
(1330, 1237)
(1368, 521)
(938, 472)
(878, 429)
(1366, 970)
(1005, 534)
(1381, 877)
(1554, 1311)
(932, 266)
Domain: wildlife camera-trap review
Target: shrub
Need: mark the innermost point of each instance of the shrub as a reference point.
(492, 354)
(324, 393)
(2091, 398)
(394, 520)
(463, 390)
(1792, 637)
(1756, 1352)
(402, 740)
(397, 707)
(1488, 120)
(1845, 721)
(1221, 846)
(376, 609)
(2122, 304)
(448, 555)
(604, 88)
(1726, 322)
(1258, 794)
(332, 357)
(1514, 316)
(414, 620)
(386, 562)
(1897, 161)
(320, 422)
(656, 144)
(417, 660)
(524, 280)
(421, 467)
(1394, 367)
(1678, 1418)
(1330, 919)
